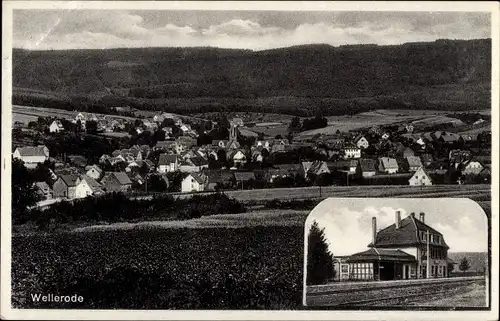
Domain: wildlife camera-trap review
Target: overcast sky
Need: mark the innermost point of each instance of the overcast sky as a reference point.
(72, 29)
(348, 222)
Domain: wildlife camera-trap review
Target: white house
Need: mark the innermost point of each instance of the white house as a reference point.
(194, 182)
(168, 163)
(388, 165)
(237, 157)
(361, 142)
(94, 172)
(32, 155)
(351, 151)
(71, 186)
(420, 178)
(472, 167)
(56, 127)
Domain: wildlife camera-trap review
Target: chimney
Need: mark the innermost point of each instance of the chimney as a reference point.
(422, 217)
(398, 218)
(412, 214)
(374, 230)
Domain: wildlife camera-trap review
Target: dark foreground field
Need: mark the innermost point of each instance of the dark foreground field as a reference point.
(243, 268)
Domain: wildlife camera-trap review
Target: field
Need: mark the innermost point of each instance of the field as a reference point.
(250, 219)
(27, 113)
(384, 117)
(212, 268)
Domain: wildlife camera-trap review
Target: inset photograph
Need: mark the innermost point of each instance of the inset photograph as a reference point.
(375, 253)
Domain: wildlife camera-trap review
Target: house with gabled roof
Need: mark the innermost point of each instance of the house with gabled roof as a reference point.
(407, 249)
(94, 171)
(361, 141)
(168, 163)
(56, 127)
(94, 185)
(388, 165)
(471, 167)
(315, 168)
(194, 182)
(116, 182)
(32, 155)
(420, 178)
(71, 186)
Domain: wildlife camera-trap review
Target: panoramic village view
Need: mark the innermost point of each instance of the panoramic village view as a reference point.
(176, 176)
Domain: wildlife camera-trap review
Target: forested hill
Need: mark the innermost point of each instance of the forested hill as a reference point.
(453, 74)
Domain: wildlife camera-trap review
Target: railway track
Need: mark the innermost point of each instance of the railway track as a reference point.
(396, 293)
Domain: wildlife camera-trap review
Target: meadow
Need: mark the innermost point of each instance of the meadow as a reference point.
(212, 268)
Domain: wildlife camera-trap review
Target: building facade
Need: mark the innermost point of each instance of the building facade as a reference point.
(407, 249)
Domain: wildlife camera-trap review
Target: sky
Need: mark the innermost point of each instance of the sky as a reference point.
(42, 29)
(348, 222)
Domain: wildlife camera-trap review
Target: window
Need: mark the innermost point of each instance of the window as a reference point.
(345, 268)
(416, 177)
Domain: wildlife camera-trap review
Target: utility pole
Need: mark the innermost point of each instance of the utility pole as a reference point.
(428, 256)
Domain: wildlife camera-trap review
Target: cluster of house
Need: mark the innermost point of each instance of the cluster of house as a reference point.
(345, 154)
(106, 123)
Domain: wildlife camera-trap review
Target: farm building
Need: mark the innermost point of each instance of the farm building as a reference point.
(420, 178)
(347, 165)
(282, 171)
(71, 186)
(116, 182)
(32, 155)
(407, 249)
(56, 127)
(387, 165)
(194, 182)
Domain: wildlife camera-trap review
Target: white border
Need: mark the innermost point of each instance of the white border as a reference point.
(8, 313)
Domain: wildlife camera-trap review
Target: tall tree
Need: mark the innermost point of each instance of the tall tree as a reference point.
(319, 258)
(464, 264)
(24, 193)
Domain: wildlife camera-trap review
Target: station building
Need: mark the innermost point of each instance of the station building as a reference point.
(407, 249)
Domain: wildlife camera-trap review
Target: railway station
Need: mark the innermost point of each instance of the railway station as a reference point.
(406, 249)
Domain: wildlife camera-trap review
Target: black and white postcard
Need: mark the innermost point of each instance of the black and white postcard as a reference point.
(249, 160)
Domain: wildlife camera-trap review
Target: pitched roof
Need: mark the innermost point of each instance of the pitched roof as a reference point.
(405, 235)
(367, 165)
(93, 184)
(32, 151)
(376, 254)
(215, 176)
(69, 179)
(166, 159)
(165, 143)
(97, 168)
(122, 178)
(388, 162)
(199, 177)
(198, 161)
(414, 161)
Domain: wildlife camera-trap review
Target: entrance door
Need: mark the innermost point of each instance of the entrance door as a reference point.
(406, 271)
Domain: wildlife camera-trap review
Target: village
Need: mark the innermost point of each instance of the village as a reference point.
(169, 154)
